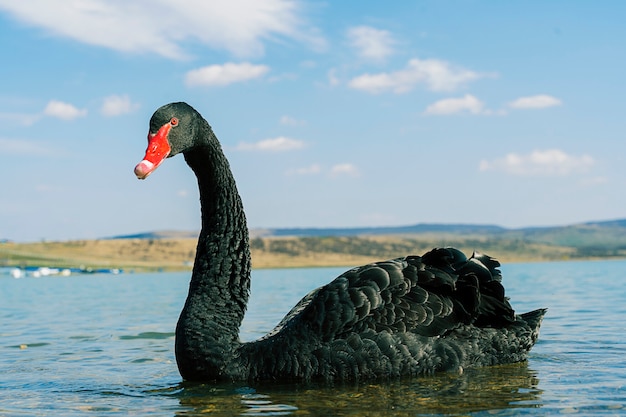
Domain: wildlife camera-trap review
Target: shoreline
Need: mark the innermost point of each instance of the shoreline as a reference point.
(139, 255)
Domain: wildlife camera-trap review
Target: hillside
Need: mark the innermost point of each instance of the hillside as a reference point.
(591, 239)
(172, 250)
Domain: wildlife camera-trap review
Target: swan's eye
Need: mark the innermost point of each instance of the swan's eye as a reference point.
(174, 121)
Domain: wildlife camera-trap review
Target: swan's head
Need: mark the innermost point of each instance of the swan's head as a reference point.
(172, 131)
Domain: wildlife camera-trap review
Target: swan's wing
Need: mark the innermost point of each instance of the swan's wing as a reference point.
(429, 295)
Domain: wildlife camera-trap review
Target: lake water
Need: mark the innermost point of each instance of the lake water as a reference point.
(103, 345)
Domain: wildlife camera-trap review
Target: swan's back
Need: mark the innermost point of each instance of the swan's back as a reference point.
(405, 316)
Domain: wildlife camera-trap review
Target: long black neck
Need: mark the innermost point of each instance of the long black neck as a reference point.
(208, 327)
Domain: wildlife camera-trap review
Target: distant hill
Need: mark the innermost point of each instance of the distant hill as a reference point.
(391, 230)
(300, 247)
(421, 228)
(604, 238)
(163, 234)
(609, 223)
(596, 238)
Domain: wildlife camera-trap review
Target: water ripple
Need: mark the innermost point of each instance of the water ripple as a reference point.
(105, 346)
(149, 335)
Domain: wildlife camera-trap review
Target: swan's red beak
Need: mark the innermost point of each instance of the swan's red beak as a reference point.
(158, 150)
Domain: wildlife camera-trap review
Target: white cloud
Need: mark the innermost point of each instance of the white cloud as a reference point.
(117, 105)
(535, 102)
(435, 74)
(291, 121)
(279, 144)
(344, 169)
(371, 43)
(220, 75)
(467, 103)
(161, 26)
(63, 110)
(539, 163)
(333, 80)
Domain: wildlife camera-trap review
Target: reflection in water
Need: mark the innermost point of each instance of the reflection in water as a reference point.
(495, 389)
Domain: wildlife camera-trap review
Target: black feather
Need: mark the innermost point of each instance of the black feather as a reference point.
(406, 316)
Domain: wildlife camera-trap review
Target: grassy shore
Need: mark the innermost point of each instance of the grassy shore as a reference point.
(271, 252)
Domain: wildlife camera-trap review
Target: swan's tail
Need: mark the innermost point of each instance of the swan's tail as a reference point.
(533, 319)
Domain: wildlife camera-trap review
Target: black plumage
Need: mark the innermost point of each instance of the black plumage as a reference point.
(406, 316)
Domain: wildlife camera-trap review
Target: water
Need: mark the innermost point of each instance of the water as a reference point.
(103, 345)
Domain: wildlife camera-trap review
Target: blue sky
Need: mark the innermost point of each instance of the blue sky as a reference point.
(332, 114)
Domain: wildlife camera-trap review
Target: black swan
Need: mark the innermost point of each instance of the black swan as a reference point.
(406, 316)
